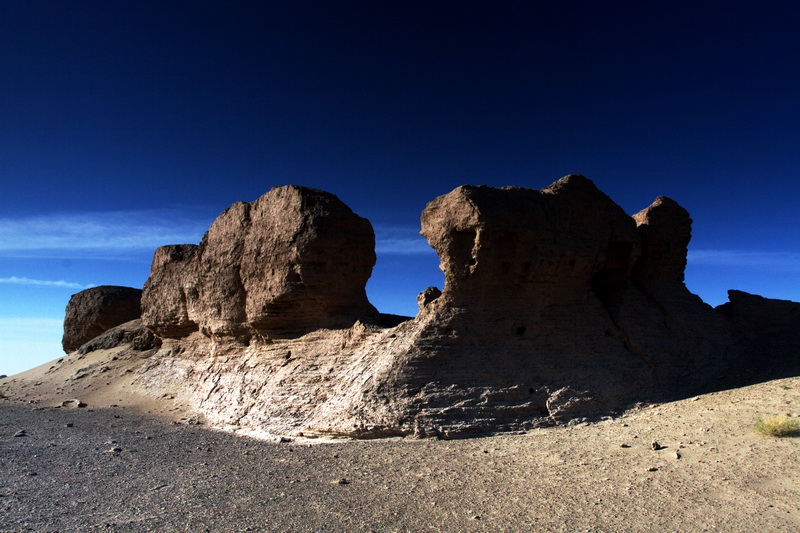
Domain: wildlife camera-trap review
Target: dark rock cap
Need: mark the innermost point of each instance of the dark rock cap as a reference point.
(94, 311)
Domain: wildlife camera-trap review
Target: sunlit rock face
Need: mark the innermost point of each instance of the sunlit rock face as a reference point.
(295, 260)
(94, 311)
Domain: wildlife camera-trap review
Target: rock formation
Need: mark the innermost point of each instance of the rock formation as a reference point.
(755, 317)
(557, 306)
(293, 261)
(768, 338)
(94, 311)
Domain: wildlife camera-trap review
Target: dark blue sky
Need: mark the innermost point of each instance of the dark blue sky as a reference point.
(125, 124)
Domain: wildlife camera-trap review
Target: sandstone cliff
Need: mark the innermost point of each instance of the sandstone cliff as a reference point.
(556, 306)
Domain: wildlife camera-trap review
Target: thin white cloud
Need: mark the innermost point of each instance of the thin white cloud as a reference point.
(24, 327)
(108, 234)
(785, 261)
(28, 342)
(60, 284)
(400, 240)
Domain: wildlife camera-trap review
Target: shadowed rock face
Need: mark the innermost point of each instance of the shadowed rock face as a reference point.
(293, 261)
(94, 311)
(665, 229)
(755, 316)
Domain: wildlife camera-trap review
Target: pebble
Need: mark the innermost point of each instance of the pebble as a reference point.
(655, 445)
(343, 481)
(20, 433)
(653, 469)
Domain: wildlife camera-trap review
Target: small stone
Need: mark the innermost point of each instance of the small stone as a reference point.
(623, 445)
(115, 449)
(285, 439)
(655, 445)
(68, 425)
(20, 433)
(653, 469)
(343, 481)
(677, 455)
(74, 403)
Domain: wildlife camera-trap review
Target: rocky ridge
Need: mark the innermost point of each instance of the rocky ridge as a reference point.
(557, 306)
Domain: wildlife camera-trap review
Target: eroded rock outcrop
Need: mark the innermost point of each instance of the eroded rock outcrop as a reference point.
(94, 311)
(556, 306)
(132, 333)
(768, 338)
(293, 261)
(755, 317)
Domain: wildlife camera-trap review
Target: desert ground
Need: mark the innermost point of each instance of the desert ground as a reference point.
(152, 467)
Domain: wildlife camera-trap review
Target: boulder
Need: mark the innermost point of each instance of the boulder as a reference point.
(94, 311)
(293, 261)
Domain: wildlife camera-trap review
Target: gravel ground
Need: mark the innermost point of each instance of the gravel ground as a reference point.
(118, 469)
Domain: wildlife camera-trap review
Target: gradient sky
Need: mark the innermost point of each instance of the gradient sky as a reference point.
(130, 125)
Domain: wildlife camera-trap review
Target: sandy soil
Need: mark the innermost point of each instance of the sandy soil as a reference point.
(124, 469)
